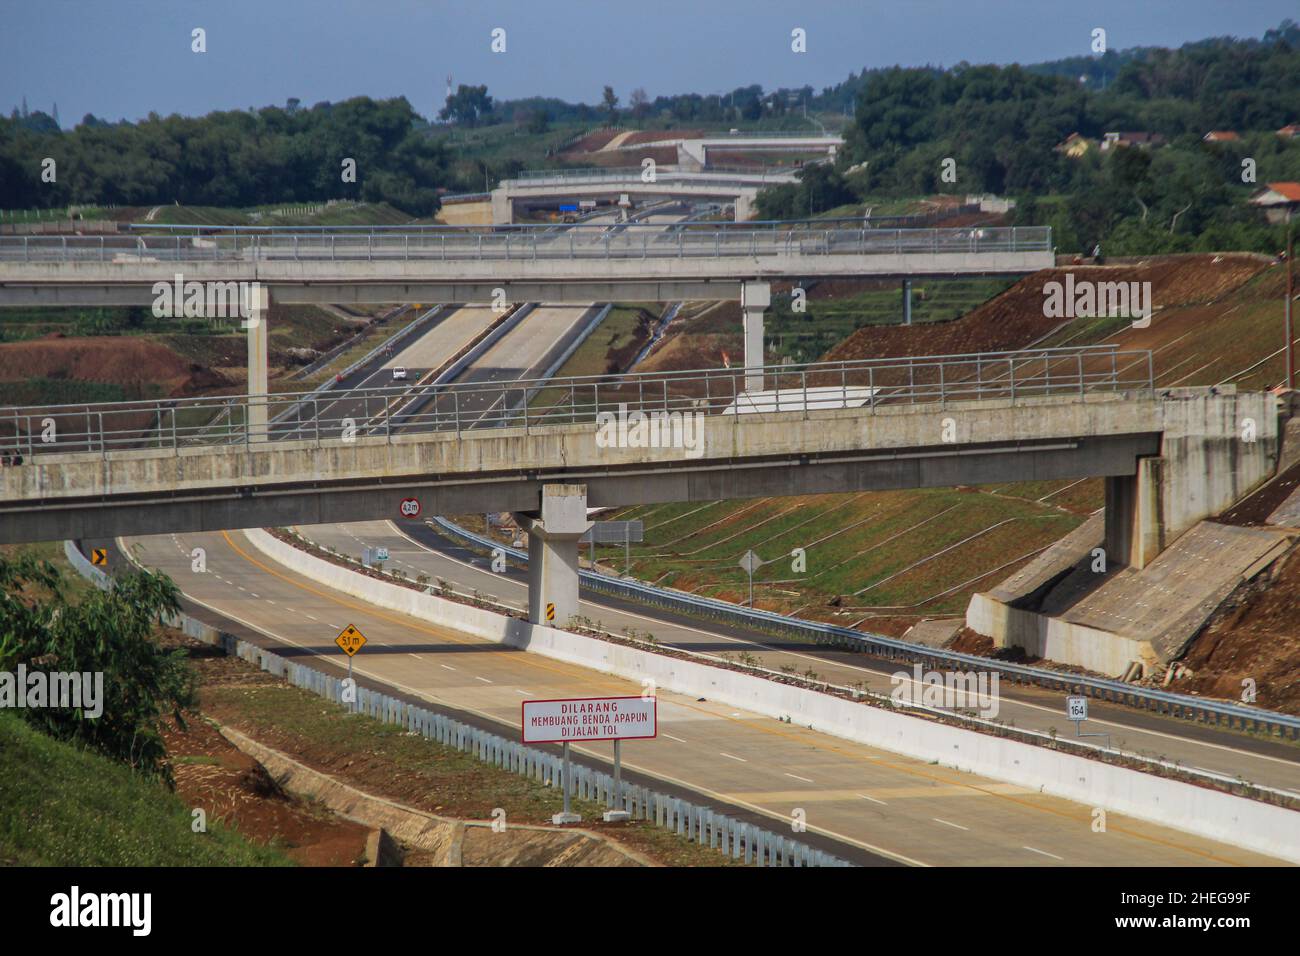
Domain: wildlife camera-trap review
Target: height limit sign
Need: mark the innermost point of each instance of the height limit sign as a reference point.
(350, 640)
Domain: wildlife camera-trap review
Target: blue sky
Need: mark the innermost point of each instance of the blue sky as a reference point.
(125, 58)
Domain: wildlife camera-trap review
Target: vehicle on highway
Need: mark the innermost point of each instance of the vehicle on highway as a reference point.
(399, 374)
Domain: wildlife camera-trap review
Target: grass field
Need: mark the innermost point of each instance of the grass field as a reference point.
(63, 806)
(898, 552)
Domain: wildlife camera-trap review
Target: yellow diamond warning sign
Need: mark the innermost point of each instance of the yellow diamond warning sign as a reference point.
(350, 640)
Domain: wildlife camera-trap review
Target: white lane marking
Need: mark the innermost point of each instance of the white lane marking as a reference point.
(732, 756)
(483, 679)
(254, 594)
(447, 666)
(949, 823)
(873, 799)
(1043, 852)
(797, 777)
(523, 692)
(312, 616)
(416, 656)
(678, 739)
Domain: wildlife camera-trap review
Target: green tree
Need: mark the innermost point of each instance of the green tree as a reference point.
(609, 102)
(469, 105)
(109, 632)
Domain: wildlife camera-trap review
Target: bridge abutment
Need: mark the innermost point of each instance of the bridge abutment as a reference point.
(1214, 450)
(553, 552)
(1133, 526)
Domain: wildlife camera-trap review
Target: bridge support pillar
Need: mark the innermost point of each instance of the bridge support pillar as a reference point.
(503, 207)
(744, 206)
(907, 301)
(256, 308)
(755, 297)
(553, 553)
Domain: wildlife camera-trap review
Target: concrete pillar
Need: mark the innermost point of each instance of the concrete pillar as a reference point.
(503, 207)
(1134, 529)
(744, 205)
(907, 301)
(553, 552)
(256, 307)
(755, 297)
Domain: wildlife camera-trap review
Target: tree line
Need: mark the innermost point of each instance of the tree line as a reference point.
(978, 129)
(232, 158)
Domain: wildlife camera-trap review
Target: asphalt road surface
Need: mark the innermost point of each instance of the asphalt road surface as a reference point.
(890, 805)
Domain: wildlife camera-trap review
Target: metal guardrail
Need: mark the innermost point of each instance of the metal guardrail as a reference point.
(699, 824)
(474, 243)
(866, 384)
(890, 648)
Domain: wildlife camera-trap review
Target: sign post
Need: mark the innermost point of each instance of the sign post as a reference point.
(590, 718)
(350, 640)
(1076, 709)
(751, 563)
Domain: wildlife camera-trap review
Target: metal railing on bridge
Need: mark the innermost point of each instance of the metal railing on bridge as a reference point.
(724, 175)
(864, 384)
(475, 243)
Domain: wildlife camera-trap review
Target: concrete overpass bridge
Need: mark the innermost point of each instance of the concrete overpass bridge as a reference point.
(737, 186)
(699, 152)
(550, 449)
(577, 264)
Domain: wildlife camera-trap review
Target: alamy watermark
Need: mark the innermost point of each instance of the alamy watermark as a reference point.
(949, 690)
(657, 429)
(206, 300)
(80, 690)
(1086, 299)
(73, 909)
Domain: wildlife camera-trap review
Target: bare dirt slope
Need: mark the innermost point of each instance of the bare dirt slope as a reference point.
(1015, 319)
(1254, 637)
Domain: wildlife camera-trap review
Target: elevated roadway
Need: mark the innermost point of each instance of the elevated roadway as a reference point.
(524, 263)
(549, 187)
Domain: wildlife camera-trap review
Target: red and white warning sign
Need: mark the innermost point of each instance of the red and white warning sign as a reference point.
(409, 508)
(589, 718)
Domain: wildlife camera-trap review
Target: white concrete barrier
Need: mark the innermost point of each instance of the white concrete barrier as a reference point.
(1239, 821)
